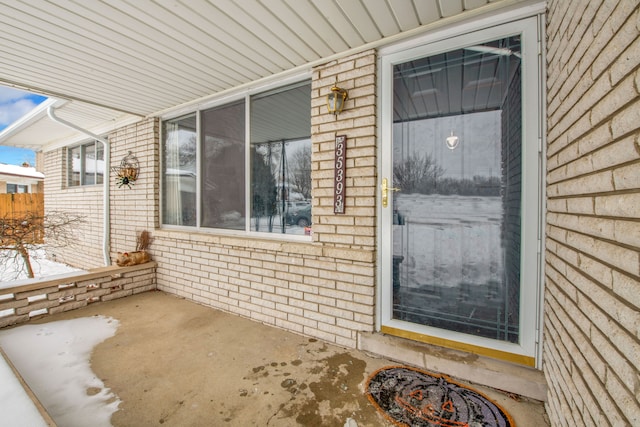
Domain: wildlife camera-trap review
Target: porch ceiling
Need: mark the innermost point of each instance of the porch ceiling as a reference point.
(118, 60)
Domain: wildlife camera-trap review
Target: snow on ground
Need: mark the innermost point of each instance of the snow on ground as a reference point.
(54, 360)
(15, 404)
(41, 267)
(448, 240)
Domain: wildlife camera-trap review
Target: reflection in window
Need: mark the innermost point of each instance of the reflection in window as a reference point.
(278, 180)
(74, 166)
(90, 158)
(281, 161)
(281, 187)
(86, 164)
(223, 173)
(179, 172)
(457, 144)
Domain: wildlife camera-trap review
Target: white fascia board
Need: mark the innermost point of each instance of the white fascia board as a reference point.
(28, 119)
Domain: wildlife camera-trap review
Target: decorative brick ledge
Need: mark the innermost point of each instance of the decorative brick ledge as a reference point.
(54, 294)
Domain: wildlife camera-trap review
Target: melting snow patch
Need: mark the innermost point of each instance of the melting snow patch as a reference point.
(54, 360)
(17, 407)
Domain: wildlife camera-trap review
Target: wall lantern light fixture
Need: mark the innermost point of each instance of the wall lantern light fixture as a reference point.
(336, 99)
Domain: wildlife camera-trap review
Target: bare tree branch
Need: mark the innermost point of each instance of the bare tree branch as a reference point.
(301, 171)
(21, 232)
(416, 173)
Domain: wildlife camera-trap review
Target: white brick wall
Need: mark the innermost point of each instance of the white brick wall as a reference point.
(592, 339)
(132, 210)
(356, 228)
(324, 288)
(135, 209)
(296, 286)
(86, 252)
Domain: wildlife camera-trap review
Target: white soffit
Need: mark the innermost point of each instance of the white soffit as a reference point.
(37, 131)
(140, 57)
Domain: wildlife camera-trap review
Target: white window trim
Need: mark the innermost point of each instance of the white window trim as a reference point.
(82, 167)
(224, 99)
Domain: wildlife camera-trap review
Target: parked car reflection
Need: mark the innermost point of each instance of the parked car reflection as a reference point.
(298, 213)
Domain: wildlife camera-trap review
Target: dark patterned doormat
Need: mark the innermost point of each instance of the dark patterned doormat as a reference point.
(412, 398)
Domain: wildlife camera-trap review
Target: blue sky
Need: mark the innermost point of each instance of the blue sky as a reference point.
(14, 104)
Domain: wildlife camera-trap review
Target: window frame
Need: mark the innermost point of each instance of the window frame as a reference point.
(17, 187)
(98, 147)
(244, 95)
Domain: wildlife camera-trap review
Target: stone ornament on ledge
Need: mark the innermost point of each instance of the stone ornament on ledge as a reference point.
(140, 255)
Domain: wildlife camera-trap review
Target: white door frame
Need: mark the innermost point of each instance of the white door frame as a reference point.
(527, 351)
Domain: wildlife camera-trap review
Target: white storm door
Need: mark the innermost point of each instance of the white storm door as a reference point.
(460, 192)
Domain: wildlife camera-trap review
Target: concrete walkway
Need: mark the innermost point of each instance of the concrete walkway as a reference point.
(176, 363)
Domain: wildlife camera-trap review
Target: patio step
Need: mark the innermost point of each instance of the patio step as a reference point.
(497, 374)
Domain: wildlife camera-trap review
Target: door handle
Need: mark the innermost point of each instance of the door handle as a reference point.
(385, 191)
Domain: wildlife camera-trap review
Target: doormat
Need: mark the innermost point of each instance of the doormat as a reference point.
(412, 398)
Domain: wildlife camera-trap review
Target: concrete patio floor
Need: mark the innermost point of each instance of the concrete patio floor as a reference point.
(176, 363)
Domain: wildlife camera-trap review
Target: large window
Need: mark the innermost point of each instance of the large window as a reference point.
(86, 164)
(222, 172)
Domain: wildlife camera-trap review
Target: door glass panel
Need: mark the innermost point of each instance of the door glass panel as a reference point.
(457, 161)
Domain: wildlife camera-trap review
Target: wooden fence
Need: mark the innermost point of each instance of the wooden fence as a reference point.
(16, 205)
(15, 209)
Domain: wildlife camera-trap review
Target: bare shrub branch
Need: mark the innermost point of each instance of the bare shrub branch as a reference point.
(143, 240)
(23, 231)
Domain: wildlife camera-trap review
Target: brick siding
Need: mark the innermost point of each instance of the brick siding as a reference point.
(86, 250)
(323, 288)
(592, 303)
(132, 210)
(356, 228)
(135, 209)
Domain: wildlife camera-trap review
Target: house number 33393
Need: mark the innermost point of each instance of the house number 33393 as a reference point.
(339, 176)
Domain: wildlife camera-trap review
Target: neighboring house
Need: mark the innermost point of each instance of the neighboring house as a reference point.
(510, 127)
(20, 179)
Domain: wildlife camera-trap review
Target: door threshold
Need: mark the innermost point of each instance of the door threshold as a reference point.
(464, 347)
(509, 377)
